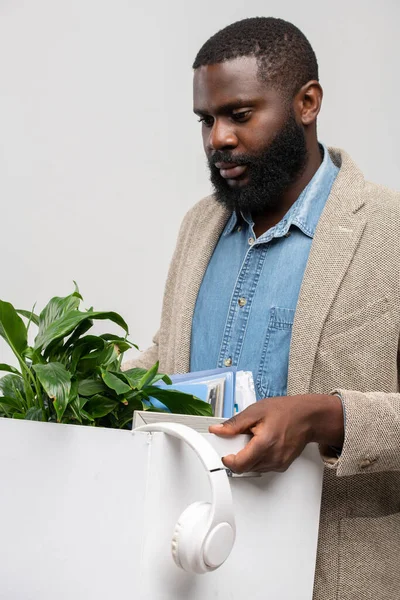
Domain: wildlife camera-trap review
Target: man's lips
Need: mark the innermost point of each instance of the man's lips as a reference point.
(230, 170)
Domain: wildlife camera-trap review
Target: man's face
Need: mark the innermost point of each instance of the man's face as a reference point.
(254, 145)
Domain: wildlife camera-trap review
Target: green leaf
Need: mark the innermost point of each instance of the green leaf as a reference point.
(90, 387)
(69, 321)
(34, 356)
(98, 358)
(9, 369)
(56, 309)
(136, 376)
(84, 346)
(122, 343)
(125, 414)
(74, 390)
(56, 381)
(10, 405)
(5, 411)
(133, 376)
(30, 315)
(114, 382)
(80, 402)
(180, 403)
(76, 406)
(163, 377)
(86, 416)
(12, 386)
(100, 406)
(148, 376)
(90, 342)
(79, 331)
(12, 328)
(71, 415)
(35, 414)
(53, 351)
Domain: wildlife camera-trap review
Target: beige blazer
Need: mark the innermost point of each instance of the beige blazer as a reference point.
(345, 338)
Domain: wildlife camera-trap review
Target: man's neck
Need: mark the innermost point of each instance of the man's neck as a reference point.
(269, 218)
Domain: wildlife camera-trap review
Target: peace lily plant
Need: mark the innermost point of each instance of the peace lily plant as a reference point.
(71, 376)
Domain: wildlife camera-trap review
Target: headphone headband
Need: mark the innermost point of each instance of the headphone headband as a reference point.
(219, 526)
(203, 449)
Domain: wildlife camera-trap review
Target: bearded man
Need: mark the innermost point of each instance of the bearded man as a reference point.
(291, 270)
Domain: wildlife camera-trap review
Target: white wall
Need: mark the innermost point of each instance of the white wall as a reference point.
(100, 154)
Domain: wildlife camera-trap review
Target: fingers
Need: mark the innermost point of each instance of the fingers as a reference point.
(241, 423)
(265, 458)
(279, 434)
(244, 460)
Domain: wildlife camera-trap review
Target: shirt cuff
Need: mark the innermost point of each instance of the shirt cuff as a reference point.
(338, 451)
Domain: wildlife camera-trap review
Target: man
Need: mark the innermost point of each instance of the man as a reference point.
(291, 270)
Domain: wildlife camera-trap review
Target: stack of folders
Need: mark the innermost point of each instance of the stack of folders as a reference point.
(227, 390)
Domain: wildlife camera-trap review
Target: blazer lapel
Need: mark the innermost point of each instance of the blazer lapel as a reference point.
(336, 239)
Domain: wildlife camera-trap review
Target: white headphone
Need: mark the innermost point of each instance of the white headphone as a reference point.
(204, 534)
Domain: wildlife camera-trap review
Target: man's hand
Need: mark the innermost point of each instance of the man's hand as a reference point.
(281, 428)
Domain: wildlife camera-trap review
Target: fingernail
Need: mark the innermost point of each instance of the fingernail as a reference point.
(228, 459)
(219, 426)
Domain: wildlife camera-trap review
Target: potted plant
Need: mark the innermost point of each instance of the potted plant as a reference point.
(71, 376)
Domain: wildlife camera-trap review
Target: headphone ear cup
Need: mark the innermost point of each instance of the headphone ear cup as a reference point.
(189, 537)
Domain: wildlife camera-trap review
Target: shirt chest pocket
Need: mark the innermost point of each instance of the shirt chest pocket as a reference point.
(272, 374)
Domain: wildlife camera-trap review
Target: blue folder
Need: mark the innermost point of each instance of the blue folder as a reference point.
(182, 382)
(196, 389)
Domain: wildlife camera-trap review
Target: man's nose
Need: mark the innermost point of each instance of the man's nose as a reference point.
(222, 136)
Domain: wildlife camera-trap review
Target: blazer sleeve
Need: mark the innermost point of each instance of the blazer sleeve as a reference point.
(372, 434)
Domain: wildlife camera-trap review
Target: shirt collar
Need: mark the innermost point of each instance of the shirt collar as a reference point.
(232, 222)
(307, 209)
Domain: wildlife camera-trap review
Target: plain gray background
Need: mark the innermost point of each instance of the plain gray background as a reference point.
(101, 155)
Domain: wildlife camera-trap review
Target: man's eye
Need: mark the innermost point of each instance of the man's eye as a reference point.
(241, 116)
(207, 121)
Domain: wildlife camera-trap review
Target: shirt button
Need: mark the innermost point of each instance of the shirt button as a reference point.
(239, 228)
(242, 301)
(287, 234)
(251, 241)
(228, 362)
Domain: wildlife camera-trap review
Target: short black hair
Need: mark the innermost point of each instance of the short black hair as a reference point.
(284, 55)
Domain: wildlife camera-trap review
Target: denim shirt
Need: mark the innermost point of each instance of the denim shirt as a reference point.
(246, 303)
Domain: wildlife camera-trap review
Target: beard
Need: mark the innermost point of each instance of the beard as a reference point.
(271, 172)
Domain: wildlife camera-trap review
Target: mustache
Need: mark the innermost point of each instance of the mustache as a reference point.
(220, 156)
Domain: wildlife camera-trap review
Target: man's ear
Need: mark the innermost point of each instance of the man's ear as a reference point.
(307, 102)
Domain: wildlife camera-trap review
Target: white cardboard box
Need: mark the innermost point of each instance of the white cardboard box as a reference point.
(88, 514)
